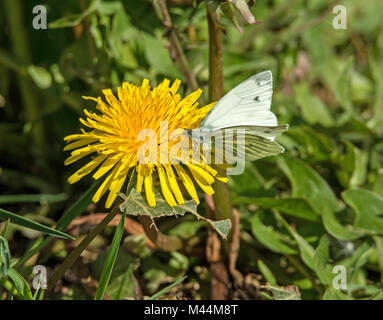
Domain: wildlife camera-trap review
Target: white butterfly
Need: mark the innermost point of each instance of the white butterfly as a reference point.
(245, 111)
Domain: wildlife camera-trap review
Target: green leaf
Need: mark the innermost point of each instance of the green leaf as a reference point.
(317, 145)
(165, 290)
(19, 220)
(21, 284)
(335, 294)
(368, 207)
(158, 56)
(266, 272)
(359, 257)
(342, 91)
(296, 207)
(305, 249)
(374, 66)
(222, 227)
(136, 203)
(268, 237)
(312, 108)
(308, 184)
(352, 166)
(379, 252)
(121, 38)
(40, 76)
(5, 257)
(321, 260)
(339, 231)
(110, 259)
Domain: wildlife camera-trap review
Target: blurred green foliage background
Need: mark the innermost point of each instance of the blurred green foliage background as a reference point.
(317, 206)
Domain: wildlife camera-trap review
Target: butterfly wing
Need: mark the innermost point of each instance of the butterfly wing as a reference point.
(244, 142)
(248, 104)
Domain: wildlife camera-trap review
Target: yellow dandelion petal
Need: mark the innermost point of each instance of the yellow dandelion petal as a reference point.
(140, 178)
(175, 86)
(145, 83)
(208, 168)
(191, 98)
(107, 166)
(149, 190)
(85, 150)
(105, 185)
(174, 184)
(201, 174)
(187, 182)
(117, 183)
(165, 186)
(79, 143)
(75, 157)
(202, 177)
(90, 98)
(201, 113)
(74, 137)
(88, 168)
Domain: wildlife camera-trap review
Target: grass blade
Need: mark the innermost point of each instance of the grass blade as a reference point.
(163, 291)
(21, 221)
(110, 259)
(23, 198)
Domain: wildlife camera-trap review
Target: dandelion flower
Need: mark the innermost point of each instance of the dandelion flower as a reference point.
(112, 140)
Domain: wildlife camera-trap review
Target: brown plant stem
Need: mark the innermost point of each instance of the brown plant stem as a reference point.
(175, 48)
(219, 275)
(234, 250)
(161, 241)
(223, 207)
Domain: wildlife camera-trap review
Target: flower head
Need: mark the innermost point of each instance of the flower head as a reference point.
(115, 144)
